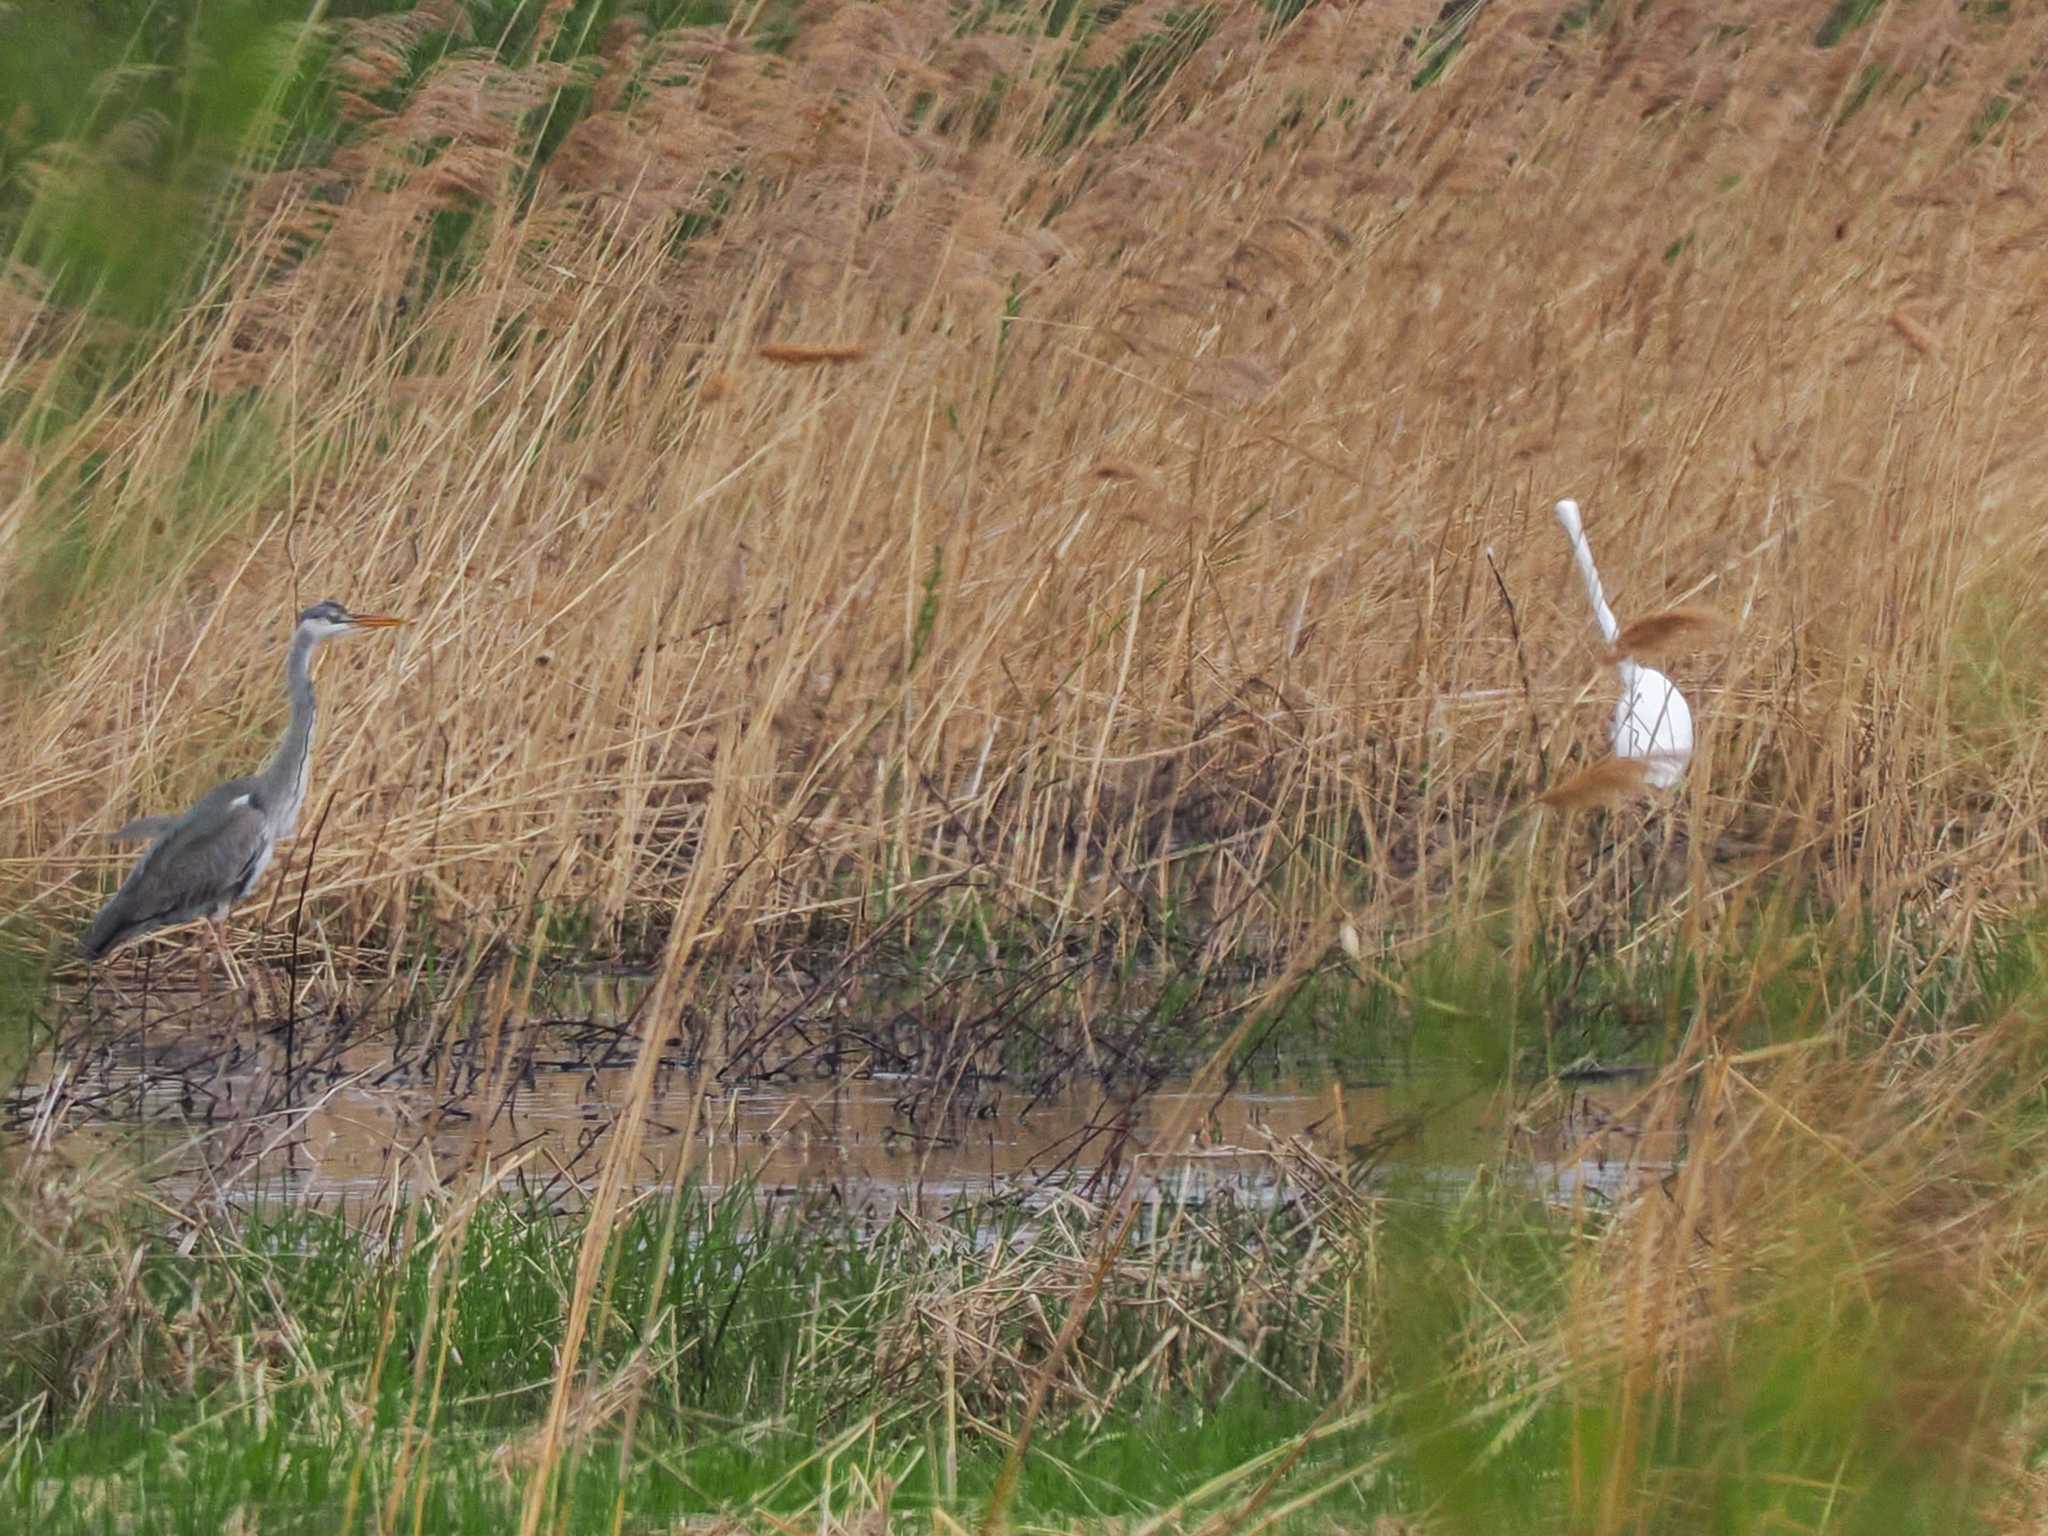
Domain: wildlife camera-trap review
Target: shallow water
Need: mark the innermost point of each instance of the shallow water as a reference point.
(210, 1112)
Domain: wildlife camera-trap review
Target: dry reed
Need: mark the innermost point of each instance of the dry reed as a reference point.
(899, 601)
(1667, 632)
(714, 654)
(1607, 782)
(797, 355)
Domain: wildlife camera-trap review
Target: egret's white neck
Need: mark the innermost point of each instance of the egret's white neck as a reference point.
(1582, 554)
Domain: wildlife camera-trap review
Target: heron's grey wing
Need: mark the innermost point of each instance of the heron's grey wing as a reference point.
(143, 829)
(207, 860)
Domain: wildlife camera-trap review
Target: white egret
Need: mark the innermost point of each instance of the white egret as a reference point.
(1652, 722)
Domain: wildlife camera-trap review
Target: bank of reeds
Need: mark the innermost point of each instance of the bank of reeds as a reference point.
(1134, 555)
(1092, 479)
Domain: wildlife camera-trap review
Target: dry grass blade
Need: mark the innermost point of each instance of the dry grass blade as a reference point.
(1668, 630)
(726, 664)
(1607, 782)
(1916, 335)
(793, 354)
(790, 558)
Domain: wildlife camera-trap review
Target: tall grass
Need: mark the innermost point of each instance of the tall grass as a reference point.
(1142, 557)
(1077, 482)
(1827, 1314)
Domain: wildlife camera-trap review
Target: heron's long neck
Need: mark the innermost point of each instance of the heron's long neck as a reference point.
(284, 776)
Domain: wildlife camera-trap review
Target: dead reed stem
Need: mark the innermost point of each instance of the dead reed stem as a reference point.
(1596, 273)
(1145, 556)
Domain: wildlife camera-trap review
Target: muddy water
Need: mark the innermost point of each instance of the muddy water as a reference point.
(206, 1111)
(867, 1144)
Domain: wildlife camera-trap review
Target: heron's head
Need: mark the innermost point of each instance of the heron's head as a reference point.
(330, 618)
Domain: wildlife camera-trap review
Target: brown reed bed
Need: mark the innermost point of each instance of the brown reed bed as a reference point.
(903, 622)
(1177, 542)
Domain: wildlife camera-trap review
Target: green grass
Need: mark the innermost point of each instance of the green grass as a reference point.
(319, 1370)
(157, 104)
(757, 1404)
(266, 1375)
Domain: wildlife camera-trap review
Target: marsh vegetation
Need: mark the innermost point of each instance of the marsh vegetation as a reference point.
(1005, 553)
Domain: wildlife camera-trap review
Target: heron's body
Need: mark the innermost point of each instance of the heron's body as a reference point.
(200, 864)
(1652, 722)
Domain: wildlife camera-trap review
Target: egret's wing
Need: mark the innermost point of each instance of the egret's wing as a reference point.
(1652, 722)
(207, 858)
(143, 829)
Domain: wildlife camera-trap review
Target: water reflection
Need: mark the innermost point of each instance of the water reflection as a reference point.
(211, 1110)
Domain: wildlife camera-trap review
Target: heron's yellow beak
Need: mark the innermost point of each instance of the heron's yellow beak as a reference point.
(376, 621)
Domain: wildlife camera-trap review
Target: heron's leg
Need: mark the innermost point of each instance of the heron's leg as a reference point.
(204, 967)
(229, 967)
(276, 996)
(251, 997)
(259, 984)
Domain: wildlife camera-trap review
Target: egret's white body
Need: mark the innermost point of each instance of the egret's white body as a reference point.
(1652, 722)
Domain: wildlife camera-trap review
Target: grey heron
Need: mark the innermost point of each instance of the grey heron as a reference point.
(202, 863)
